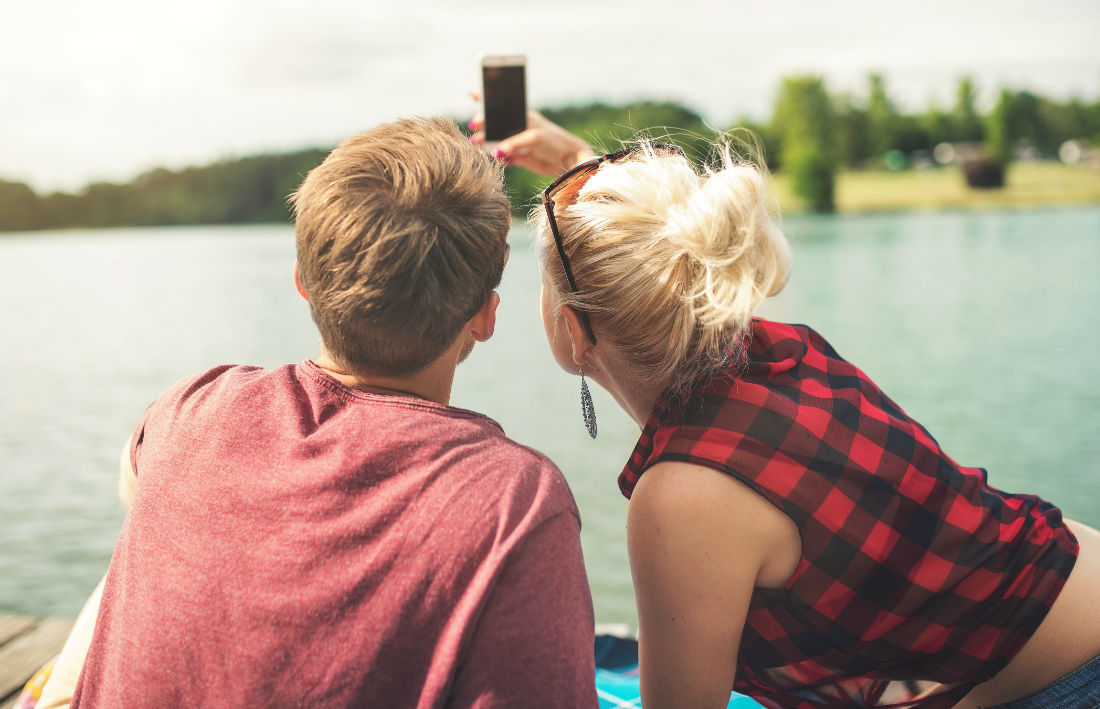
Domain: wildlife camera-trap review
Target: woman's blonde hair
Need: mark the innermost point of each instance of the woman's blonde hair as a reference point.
(670, 262)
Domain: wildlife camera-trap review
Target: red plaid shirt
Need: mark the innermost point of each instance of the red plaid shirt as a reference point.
(917, 580)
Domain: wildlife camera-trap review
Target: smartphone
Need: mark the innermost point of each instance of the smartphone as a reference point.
(504, 95)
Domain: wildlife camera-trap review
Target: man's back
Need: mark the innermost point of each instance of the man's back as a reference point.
(293, 542)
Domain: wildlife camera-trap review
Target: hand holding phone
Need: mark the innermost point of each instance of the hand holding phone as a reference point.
(512, 134)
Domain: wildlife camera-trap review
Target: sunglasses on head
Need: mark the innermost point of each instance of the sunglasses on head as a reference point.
(565, 189)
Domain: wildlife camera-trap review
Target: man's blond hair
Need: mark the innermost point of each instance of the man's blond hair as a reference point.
(401, 237)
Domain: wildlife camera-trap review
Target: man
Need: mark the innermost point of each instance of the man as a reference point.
(332, 533)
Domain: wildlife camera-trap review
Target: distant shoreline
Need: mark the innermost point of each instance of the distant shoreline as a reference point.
(1028, 185)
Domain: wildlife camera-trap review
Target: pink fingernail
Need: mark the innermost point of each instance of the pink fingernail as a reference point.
(472, 125)
(500, 155)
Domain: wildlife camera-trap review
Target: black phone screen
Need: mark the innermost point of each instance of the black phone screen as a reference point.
(505, 101)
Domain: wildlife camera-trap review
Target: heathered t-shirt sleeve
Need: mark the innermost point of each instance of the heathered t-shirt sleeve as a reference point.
(533, 645)
(170, 399)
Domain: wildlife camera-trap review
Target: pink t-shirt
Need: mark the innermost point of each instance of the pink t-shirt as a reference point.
(295, 542)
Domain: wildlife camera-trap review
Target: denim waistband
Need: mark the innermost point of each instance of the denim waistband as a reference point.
(1079, 689)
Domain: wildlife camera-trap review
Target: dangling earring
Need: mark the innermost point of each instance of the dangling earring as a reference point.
(588, 411)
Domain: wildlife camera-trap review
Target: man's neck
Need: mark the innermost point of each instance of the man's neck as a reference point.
(432, 383)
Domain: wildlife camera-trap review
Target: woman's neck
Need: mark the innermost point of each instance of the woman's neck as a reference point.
(637, 394)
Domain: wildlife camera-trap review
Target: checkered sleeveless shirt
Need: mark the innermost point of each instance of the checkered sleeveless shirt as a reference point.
(917, 581)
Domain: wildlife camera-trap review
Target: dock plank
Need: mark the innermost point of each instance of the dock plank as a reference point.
(25, 653)
(13, 625)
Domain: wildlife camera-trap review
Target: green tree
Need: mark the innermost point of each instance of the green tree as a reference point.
(853, 133)
(61, 209)
(1059, 122)
(937, 125)
(106, 204)
(998, 133)
(909, 134)
(883, 116)
(1092, 122)
(1015, 120)
(20, 207)
(803, 116)
(967, 123)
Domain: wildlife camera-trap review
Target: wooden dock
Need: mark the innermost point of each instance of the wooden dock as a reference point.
(26, 643)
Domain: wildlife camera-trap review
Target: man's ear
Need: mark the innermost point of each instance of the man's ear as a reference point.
(298, 283)
(578, 337)
(484, 321)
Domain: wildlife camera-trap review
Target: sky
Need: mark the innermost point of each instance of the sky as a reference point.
(108, 89)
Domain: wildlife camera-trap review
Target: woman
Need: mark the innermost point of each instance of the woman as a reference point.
(792, 533)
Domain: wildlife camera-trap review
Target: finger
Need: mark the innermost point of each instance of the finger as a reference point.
(520, 144)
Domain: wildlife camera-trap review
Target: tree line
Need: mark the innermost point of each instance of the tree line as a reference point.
(809, 136)
(242, 190)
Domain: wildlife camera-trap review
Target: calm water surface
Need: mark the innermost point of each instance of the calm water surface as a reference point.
(984, 327)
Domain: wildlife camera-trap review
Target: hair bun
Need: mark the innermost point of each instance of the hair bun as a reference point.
(724, 227)
(670, 262)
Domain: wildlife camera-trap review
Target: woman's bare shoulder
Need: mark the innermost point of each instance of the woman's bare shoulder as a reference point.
(718, 512)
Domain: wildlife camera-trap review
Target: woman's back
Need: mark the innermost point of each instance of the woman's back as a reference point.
(917, 580)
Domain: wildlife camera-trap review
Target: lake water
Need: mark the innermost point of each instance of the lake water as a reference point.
(983, 326)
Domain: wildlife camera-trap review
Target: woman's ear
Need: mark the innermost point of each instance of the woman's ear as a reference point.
(298, 283)
(578, 336)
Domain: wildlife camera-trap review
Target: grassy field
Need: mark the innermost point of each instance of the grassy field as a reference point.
(1027, 185)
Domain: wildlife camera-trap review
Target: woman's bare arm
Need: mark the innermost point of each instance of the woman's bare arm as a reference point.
(700, 541)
